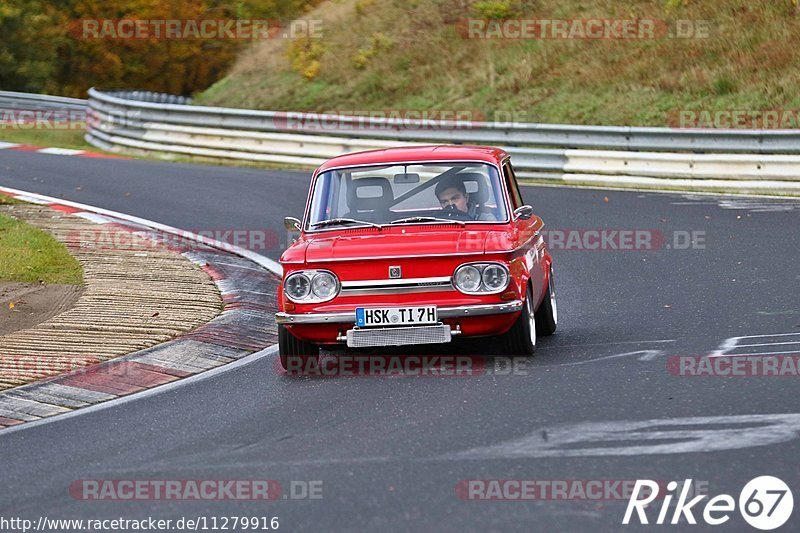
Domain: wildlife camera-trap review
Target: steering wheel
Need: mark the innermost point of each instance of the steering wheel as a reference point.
(453, 213)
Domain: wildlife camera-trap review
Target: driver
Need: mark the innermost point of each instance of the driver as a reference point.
(452, 195)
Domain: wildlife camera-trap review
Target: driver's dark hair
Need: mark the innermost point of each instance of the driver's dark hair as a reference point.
(450, 182)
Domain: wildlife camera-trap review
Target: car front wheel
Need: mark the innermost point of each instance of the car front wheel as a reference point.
(521, 338)
(547, 314)
(296, 355)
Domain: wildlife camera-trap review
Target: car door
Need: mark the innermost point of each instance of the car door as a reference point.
(526, 234)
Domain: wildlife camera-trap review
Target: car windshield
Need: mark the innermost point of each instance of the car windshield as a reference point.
(458, 193)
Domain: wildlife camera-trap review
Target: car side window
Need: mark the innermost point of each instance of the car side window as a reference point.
(511, 183)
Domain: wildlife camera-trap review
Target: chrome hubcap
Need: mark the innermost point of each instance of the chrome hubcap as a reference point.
(551, 286)
(531, 318)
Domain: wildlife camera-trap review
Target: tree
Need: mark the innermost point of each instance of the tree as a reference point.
(46, 47)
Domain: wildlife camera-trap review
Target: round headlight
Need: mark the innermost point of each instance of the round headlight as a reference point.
(495, 278)
(468, 279)
(297, 286)
(323, 285)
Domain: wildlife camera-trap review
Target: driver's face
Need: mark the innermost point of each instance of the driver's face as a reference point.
(453, 196)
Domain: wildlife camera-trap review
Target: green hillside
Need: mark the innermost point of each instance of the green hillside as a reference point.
(415, 54)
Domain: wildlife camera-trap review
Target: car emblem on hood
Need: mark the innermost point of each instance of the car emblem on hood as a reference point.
(395, 272)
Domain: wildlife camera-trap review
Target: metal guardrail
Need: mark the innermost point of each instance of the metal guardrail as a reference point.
(28, 101)
(514, 134)
(146, 122)
(742, 160)
(17, 100)
(149, 96)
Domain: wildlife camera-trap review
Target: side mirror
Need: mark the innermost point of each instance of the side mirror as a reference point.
(291, 224)
(524, 212)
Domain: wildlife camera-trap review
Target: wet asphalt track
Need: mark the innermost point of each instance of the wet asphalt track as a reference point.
(391, 451)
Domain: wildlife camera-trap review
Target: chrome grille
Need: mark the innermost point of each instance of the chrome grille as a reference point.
(407, 285)
(400, 336)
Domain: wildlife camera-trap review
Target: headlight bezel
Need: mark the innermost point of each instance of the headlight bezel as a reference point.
(483, 289)
(310, 297)
(463, 268)
(294, 276)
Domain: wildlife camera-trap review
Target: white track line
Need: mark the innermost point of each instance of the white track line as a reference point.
(755, 354)
(37, 201)
(606, 344)
(767, 335)
(766, 344)
(729, 346)
(644, 355)
(60, 151)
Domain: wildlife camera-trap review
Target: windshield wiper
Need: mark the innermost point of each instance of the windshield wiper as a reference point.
(339, 221)
(411, 220)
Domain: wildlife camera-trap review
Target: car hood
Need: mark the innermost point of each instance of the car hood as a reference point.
(370, 243)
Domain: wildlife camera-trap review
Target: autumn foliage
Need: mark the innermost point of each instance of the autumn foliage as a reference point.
(42, 49)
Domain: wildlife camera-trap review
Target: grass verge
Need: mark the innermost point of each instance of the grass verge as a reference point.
(396, 55)
(30, 255)
(46, 138)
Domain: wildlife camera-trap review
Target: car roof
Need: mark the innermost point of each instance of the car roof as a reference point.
(486, 154)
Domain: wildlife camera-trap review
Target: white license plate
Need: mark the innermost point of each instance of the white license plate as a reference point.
(396, 316)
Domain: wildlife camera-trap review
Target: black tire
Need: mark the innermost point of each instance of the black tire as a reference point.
(521, 338)
(547, 314)
(296, 355)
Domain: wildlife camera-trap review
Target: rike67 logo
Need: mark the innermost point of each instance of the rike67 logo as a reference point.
(765, 503)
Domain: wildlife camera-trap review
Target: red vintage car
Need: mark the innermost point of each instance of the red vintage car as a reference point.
(409, 246)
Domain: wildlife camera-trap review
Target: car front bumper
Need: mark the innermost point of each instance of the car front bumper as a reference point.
(349, 317)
